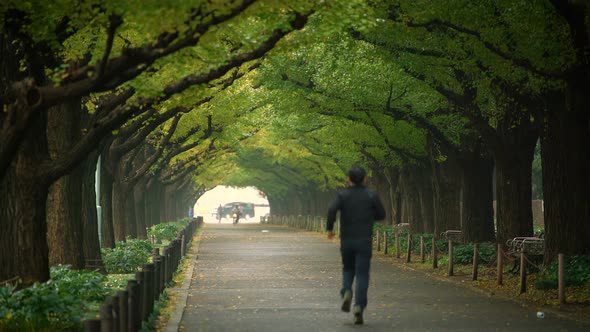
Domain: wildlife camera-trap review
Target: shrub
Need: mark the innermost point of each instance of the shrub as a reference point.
(127, 257)
(57, 305)
(86, 285)
(164, 232)
(463, 254)
(167, 231)
(576, 273)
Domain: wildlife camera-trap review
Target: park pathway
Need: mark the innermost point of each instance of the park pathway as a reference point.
(260, 278)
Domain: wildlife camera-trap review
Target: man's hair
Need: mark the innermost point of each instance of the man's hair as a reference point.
(357, 174)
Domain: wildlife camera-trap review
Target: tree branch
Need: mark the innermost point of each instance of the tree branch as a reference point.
(520, 62)
(132, 61)
(120, 115)
(114, 22)
(132, 180)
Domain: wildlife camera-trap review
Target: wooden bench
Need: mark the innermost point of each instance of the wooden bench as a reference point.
(529, 245)
(401, 228)
(452, 235)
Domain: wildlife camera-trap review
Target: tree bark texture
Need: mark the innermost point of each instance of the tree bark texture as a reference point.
(139, 195)
(90, 243)
(411, 209)
(566, 173)
(24, 252)
(119, 203)
(64, 202)
(514, 214)
(426, 194)
(107, 229)
(130, 217)
(447, 188)
(382, 186)
(152, 204)
(477, 207)
(168, 203)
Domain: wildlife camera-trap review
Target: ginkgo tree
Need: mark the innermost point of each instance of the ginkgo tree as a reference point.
(49, 73)
(358, 85)
(508, 67)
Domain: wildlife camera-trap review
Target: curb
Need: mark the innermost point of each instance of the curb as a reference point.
(173, 323)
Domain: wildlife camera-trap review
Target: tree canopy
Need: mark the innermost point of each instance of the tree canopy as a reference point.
(285, 96)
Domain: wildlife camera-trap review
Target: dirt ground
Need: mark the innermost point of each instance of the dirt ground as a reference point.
(577, 305)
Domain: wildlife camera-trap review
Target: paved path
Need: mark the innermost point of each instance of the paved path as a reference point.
(253, 277)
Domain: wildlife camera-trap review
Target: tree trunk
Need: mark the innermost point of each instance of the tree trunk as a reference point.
(477, 209)
(381, 185)
(168, 203)
(64, 221)
(566, 176)
(119, 196)
(152, 208)
(130, 217)
(447, 187)
(139, 195)
(91, 243)
(24, 252)
(514, 214)
(64, 214)
(106, 202)
(411, 203)
(160, 202)
(426, 195)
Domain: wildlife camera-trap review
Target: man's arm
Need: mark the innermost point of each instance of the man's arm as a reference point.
(332, 210)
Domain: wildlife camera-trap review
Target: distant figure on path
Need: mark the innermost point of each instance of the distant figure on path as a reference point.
(236, 214)
(359, 208)
(219, 213)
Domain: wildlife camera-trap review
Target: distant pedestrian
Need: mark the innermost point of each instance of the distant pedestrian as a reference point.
(359, 208)
(236, 214)
(219, 213)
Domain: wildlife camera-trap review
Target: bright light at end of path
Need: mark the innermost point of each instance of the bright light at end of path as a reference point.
(207, 204)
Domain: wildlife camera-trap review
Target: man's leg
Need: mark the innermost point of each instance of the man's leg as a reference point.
(348, 270)
(348, 266)
(362, 267)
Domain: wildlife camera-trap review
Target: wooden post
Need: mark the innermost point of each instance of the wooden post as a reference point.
(475, 261)
(409, 254)
(134, 312)
(500, 265)
(522, 273)
(157, 267)
(182, 245)
(385, 243)
(166, 264)
(422, 249)
(378, 246)
(122, 295)
(106, 318)
(434, 254)
(149, 279)
(114, 302)
(397, 253)
(561, 278)
(142, 304)
(450, 269)
(92, 325)
(162, 277)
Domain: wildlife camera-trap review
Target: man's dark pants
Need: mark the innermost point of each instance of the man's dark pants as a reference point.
(356, 262)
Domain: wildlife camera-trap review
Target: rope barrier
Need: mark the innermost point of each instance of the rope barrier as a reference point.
(531, 263)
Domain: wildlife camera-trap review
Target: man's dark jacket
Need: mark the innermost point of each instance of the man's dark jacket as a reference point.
(359, 209)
